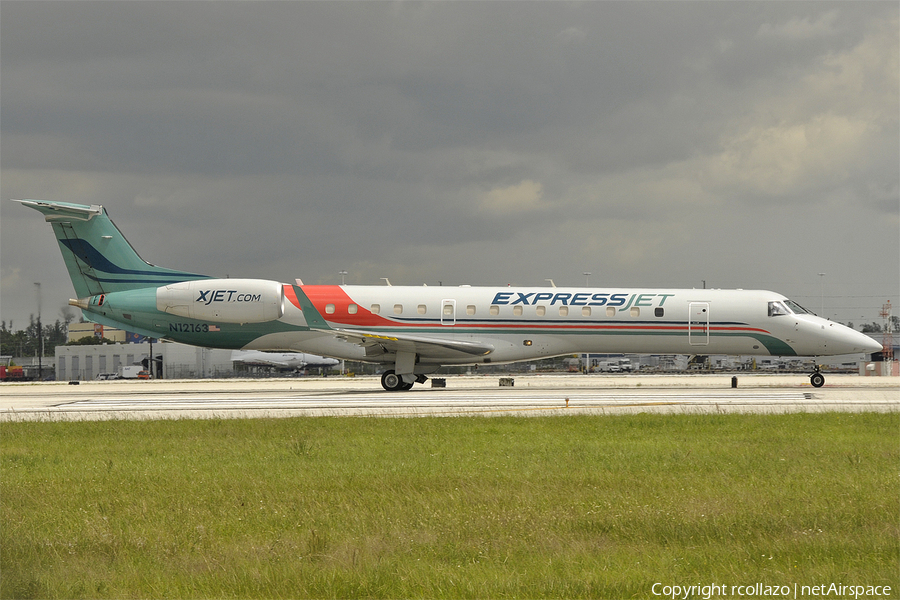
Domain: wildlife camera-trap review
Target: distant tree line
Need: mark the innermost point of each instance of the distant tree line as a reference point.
(26, 342)
(878, 328)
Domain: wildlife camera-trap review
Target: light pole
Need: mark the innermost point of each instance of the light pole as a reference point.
(40, 333)
(342, 276)
(822, 295)
(586, 275)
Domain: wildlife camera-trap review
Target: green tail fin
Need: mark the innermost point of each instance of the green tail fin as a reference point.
(99, 258)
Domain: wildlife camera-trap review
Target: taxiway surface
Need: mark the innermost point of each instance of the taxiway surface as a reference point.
(462, 396)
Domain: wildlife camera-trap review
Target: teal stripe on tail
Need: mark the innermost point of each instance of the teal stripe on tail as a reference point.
(99, 258)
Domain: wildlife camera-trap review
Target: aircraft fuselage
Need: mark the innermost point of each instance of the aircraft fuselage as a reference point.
(518, 323)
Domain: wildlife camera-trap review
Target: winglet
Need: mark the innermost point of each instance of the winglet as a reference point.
(313, 319)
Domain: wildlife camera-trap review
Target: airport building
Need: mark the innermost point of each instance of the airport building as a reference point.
(79, 331)
(129, 354)
(173, 361)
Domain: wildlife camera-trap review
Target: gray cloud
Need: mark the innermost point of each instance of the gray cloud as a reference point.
(747, 144)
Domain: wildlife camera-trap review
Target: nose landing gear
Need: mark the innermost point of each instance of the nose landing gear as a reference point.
(817, 380)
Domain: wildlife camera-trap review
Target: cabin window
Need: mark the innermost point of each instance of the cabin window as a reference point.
(635, 311)
(398, 309)
(470, 309)
(585, 311)
(517, 310)
(376, 308)
(564, 311)
(421, 309)
(329, 309)
(659, 311)
(495, 310)
(352, 309)
(540, 311)
(610, 311)
(448, 310)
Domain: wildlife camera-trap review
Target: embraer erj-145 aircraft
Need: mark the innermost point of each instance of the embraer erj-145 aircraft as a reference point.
(414, 330)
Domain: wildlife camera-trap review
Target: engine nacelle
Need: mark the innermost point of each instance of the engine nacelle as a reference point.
(223, 300)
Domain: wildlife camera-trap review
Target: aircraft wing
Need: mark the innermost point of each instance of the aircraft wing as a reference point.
(385, 343)
(436, 348)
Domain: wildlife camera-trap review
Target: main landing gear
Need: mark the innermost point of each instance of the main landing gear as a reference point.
(393, 382)
(817, 380)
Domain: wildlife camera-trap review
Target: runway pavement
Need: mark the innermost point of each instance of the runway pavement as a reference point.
(464, 395)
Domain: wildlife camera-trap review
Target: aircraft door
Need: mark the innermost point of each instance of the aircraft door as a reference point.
(698, 324)
(448, 312)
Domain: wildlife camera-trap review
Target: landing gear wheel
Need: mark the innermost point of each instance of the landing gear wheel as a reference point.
(817, 380)
(391, 381)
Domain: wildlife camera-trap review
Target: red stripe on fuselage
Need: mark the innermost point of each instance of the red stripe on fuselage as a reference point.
(323, 295)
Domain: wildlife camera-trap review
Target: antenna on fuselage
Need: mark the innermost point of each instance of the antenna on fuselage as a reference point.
(386, 280)
(551, 282)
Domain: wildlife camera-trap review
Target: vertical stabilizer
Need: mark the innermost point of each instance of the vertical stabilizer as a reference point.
(99, 258)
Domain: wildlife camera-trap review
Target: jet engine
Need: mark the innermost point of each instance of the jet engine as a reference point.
(223, 300)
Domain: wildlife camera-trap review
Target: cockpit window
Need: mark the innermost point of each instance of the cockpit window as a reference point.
(796, 308)
(778, 308)
(786, 307)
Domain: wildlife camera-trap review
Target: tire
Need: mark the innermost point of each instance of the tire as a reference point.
(391, 381)
(817, 380)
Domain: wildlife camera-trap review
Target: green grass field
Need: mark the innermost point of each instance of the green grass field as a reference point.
(506, 507)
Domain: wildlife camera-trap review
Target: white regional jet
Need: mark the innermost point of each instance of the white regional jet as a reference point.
(282, 360)
(413, 331)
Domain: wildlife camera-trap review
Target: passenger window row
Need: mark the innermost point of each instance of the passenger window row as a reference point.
(494, 310)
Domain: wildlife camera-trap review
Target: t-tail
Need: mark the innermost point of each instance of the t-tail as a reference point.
(99, 258)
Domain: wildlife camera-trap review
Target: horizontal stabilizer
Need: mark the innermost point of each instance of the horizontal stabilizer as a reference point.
(63, 211)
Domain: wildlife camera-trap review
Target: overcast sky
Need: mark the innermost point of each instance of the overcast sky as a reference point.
(747, 145)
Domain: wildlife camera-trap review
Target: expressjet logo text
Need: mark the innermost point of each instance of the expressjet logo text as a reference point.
(624, 301)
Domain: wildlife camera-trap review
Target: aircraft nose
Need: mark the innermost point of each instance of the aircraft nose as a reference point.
(844, 340)
(871, 345)
(859, 342)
